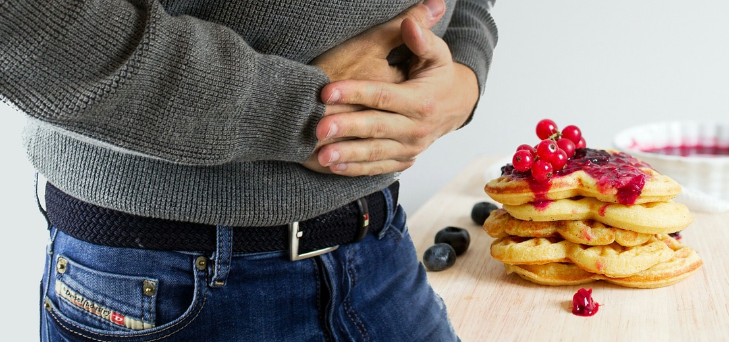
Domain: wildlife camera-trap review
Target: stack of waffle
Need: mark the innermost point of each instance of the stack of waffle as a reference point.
(579, 228)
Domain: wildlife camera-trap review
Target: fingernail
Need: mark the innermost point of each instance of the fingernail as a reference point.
(434, 7)
(340, 167)
(334, 97)
(333, 157)
(333, 129)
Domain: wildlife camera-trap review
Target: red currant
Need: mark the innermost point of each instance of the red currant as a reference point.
(581, 144)
(559, 159)
(522, 160)
(546, 128)
(567, 146)
(573, 133)
(546, 149)
(527, 147)
(542, 171)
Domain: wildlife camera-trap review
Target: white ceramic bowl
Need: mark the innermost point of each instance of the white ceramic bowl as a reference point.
(703, 170)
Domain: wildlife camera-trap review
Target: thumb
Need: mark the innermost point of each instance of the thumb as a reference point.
(388, 34)
(424, 44)
(436, 10)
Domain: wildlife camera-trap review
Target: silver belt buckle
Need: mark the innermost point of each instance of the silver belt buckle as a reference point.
(294, 236)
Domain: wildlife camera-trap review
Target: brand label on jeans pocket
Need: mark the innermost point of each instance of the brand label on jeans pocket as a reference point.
(98, 310)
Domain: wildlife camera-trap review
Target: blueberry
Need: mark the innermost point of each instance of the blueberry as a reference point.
(458, 238)
(439, 257)
(481, 211)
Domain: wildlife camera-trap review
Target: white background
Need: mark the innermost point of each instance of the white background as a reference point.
(603, 66)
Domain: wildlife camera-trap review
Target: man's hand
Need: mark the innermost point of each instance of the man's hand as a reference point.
(405, 118)
(364, 57)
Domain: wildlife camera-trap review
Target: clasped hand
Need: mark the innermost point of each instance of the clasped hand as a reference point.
(379, 118)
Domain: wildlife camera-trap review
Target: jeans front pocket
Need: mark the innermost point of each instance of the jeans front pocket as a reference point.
(101, 293)
(104, 300)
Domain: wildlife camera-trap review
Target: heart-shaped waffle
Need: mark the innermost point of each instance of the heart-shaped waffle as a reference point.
(609, 176)
(588, 232)
(611, 260)
(684, 262)
(648, 218)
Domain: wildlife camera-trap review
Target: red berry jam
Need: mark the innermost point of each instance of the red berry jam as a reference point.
(612, 171)
(691, 150)
(603, 209)
(541, 205)
(583, 304)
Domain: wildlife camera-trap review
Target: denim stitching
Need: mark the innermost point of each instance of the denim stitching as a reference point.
(50, 252)
(129, 337)
(229, 256)
(144, 308)
(395, 236)
(222, 257)
(47, 324)
(78, 309)
(204, 299)
(148, 307)
(323, 312)
(97, 319)
(318, 291)
(348, 308)
(389, 213)
(72, 263)
(217, 261)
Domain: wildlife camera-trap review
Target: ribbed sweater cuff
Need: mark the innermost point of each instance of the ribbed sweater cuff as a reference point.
(287, 95)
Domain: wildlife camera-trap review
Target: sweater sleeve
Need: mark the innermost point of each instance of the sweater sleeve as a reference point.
(472, 36)
(176, 88)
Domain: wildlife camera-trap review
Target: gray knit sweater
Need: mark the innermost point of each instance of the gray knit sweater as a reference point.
(194, 110)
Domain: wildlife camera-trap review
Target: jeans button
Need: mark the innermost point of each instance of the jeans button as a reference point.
(201, 263)
(149, 288)
(61, 265)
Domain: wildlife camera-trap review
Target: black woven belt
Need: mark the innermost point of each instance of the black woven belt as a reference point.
(108, 227)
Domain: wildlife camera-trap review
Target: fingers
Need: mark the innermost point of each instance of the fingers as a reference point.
(313, 165)
(398, 98)
(365, 157)
(387, 36)
(341, 108)
(364, 124)
(426, 13)
(432, 53)
(379, 142)
(425, 44)
(370, 168)
(363, 150)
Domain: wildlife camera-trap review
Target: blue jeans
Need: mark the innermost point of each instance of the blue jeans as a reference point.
(372, 290)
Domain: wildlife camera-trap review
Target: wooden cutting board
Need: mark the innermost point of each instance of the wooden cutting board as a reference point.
(485, 304)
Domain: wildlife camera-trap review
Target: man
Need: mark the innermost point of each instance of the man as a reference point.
(225, 171)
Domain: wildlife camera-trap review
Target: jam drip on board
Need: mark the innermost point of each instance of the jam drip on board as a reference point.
(618, 171)
(583, 304)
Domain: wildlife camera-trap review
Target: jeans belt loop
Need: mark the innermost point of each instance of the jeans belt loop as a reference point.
(222, 256)
(389, 212)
